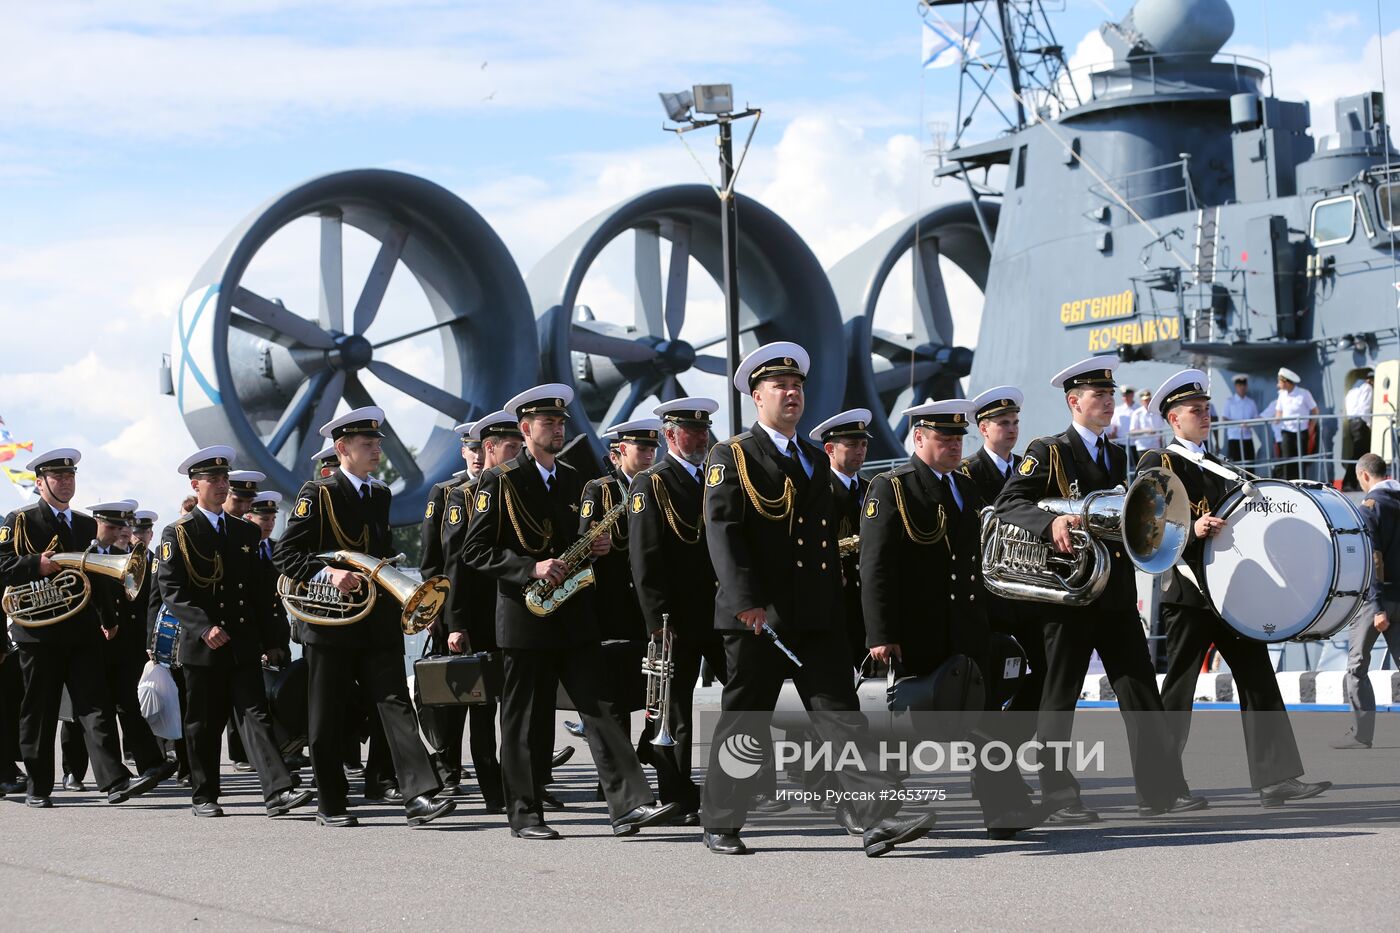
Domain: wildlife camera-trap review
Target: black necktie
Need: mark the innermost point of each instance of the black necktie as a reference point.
(792, 452)
(549, 484)
(1101, 456)
(266, 550)
(695, 472)
(1006, 474)
(364, 493)
(63, 520)
(220, 526)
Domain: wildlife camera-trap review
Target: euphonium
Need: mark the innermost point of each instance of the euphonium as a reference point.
(543, 597)
(660, 670)
(53, 599)
(321, 602)
(1151, 518)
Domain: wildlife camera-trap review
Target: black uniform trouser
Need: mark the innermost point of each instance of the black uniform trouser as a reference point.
(137, 739)
(331, 673)
(527, 718)
(176, 747)
(756, 671)
(1268, 736)
(11, 695)
(674, 782)
(46, 670)
(1360, 433)
(1121, 644)
(1241, 451)
(210, 694)
(1293, 444)
(236, 751)
(481, 720)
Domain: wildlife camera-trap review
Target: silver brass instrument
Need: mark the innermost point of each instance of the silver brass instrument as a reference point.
(543, 597)
(845, 547)
(660, 670)
(1151, 518)
(321, 602)
(53, 599)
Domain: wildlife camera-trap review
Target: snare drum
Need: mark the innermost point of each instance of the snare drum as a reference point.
(165, 644)
(1293, 562)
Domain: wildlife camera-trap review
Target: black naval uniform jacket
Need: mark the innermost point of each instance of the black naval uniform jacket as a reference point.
(1050, 465)
(267, 589)
(328, 515)
(849, 502)
(1205, 490)
(510, 503)
(27, 533)
(619, 614)
(985, 474)
(784, 558)
(670, 559)
(920, 566)
(206, 581)
(117, 612)
(471, 597)
(432, 561)
(1380, 510)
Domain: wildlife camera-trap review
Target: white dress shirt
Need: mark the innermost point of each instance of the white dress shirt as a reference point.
(1240, 408)
(358, 483)
(1359, 400)
(1003, 466)
(63, 515)
(848, 481)
(1293, 407)
(546, 475)
(214, 517)
(1091, 441)
(1123, 420)
(1147, 419)
(781, 442)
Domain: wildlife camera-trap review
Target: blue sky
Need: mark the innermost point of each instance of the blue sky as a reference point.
(139, 133)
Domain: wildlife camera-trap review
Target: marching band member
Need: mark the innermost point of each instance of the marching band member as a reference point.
(350, 511)
(674, 577)
(432, 563)
(770, 518)
(471, 602)
(923, 595)
(242, 490)
(1192, 626)
(67, 653)
(998, 414)
(845, 438)
(1083, 459)
(525, 513)
(208, 576)
(621, 615)
(123, 656)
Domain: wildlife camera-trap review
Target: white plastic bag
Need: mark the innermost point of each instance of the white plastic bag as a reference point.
(160, 701)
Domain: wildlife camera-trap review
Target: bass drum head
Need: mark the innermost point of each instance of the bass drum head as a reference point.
(1270, 570)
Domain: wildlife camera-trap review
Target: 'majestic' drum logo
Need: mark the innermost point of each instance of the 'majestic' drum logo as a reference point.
(1269, 507)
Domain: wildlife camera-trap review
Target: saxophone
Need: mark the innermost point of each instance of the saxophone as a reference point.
(542, 597)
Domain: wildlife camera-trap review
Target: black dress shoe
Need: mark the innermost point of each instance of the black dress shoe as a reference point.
(1073, 814)
(534, 832)
(688, 819)
(126, 789)
(73, 784)
(645, 815)
(336, 820)
(242, 766)
(451, 788)
(762, 803)
(1182, 804)
(389, 794)
(13, 785)
(354, 769)
(886, 834)
(207, 809)
(495, 808)
(38, 803)
(1012, 822)
(575, 728)
(725, 843)
(548, 801)
(183, 780)
(561, 755)
(422, 810)
(289, 800)
(1349, 741)
(848, 822)
(1292, 789)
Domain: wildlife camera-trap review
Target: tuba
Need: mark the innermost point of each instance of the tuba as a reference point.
(321, 602)
(51, 600)
(1151, 518)
(543, 597)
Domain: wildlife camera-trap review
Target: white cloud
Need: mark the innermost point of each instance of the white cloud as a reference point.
(188, 70)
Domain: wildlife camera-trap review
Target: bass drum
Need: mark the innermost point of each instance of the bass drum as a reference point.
(1292, 562)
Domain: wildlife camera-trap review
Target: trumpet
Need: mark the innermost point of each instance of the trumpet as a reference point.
(51, 600)
(660, 670)
(321, 602)
(542, 597)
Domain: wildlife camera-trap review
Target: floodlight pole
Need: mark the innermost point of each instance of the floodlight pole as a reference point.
(729, 243)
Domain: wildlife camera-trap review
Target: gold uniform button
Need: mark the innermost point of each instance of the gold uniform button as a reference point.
(823, 544)
(971, 596)
(799, 564)
(799, 542)
(799, 519)
(952, 576)
(1117, 553)
(823, 523)
(823, 566)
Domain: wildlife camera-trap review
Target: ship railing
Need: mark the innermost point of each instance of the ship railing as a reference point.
(1163, 74)
(1129, 185)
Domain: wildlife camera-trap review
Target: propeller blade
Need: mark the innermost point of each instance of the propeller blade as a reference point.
(677, 279)
(934, 322)
(586, 340)
(281, 320)
(646, 272)
(332, 269)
